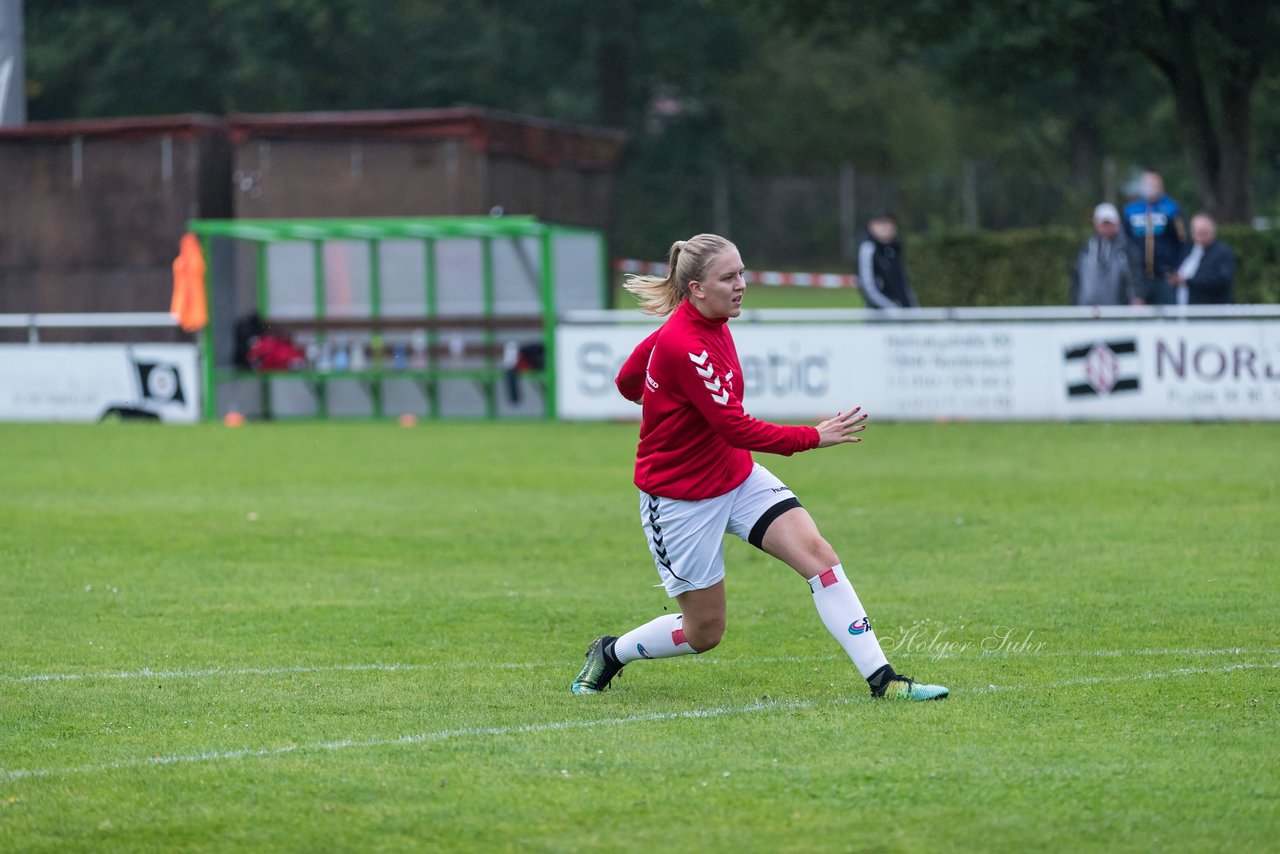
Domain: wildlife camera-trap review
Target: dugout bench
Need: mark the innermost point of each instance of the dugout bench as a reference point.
(427, 316)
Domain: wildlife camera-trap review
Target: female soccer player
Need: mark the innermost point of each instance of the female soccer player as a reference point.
(698, 481)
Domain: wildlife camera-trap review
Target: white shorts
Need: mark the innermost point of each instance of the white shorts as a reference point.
(686, 538)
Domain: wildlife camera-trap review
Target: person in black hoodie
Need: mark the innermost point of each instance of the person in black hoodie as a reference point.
(882, 275)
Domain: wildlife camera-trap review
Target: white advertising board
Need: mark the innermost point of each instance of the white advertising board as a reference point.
(1176, 370)
(84, 382)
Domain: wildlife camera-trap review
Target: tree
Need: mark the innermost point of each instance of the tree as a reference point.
(1210, 56)
(133, 57)
(1042, 59)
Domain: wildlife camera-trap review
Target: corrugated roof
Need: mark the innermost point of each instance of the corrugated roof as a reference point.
(129, 127)
(493, 131)
(542, 141)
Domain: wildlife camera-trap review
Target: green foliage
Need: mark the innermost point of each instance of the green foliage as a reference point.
(131, 58)
(831, 101)
(1258, 262)
(355, 637)
(1035, 94)
(550, 58)
(1074, 58)
(1030, 267)
(992, 268)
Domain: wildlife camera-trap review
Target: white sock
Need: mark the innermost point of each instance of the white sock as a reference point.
(846, 619)
(660, 638)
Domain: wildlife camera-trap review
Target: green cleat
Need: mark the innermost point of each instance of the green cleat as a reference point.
(598, 671)
(905, 688)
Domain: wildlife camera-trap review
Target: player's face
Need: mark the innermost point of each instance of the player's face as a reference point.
(719, 292)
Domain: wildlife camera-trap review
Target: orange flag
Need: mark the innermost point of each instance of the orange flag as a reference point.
(188, 306)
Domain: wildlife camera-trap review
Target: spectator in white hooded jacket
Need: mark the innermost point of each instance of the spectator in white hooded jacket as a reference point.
(1103, 272)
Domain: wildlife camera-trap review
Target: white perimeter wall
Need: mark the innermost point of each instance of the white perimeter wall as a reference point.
(83, 382)
(1078, 369)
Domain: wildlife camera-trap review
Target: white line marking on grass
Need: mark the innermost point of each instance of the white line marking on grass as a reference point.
(393, 667)
(560, 726)
(148, 673)
(982, 654)
(1136, 677)
(417, 738)
(1121, 653)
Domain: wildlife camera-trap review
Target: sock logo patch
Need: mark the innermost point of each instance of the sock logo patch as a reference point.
(677, 637)
(858, 627)
(644, 653)
(828, 578)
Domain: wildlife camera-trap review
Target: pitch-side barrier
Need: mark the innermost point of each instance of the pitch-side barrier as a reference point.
(87, 382)
(1024, 363)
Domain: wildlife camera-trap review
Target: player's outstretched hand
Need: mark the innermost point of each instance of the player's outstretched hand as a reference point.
(843, 428)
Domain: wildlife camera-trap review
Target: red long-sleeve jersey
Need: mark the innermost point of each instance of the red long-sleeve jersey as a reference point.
(695, 439)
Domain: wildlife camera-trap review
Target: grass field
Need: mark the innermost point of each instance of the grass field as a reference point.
(327, 637)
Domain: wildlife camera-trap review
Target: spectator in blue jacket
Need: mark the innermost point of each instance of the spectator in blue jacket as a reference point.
(1206, 275)
(1158, 236)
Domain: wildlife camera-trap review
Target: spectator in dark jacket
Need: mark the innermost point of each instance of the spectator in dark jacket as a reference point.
(1102, 273)
(882, 276)
(1206, 275)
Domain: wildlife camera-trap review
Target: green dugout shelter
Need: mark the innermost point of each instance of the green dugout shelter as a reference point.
(433, 317)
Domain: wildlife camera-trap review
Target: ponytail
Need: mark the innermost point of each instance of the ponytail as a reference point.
(686, 262)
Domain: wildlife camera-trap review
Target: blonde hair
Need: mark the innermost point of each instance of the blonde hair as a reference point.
(686, 262)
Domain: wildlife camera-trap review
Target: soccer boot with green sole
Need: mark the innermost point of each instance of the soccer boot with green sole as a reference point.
(599, 671)
(905, 688)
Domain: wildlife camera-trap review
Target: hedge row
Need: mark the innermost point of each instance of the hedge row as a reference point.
(1030, 267)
